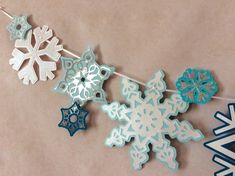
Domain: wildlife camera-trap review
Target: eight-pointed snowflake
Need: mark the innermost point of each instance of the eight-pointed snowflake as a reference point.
(18, 27)
(148, 121)
(196, 86)
(83, 78)
(73, 118)
(36, 53)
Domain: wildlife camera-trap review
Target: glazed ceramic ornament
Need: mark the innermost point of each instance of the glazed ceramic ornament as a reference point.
(33, 47)
(147, 121)
(83, 78)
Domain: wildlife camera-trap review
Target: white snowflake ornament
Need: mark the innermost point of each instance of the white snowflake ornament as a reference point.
(148, 121)
(36, 50)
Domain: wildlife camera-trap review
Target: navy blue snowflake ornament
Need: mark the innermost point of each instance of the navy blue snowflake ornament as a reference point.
(73, 118)
(224, 145)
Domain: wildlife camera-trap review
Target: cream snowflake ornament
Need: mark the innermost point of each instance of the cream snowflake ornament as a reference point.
(45, 47)
(148, 121)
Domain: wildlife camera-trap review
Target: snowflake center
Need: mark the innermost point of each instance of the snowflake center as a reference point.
(146, 120)
(73, 118)
(18, 27)
(83, 79)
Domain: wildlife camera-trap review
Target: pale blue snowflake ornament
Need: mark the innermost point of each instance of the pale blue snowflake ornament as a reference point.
(83, 78)
(196, 86)
(18, 27)
(148, 122)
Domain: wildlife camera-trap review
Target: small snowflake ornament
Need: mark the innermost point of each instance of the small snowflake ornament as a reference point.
(83, 78)
(148, 122)
(18, 27)
(73, 119)
(196, 86)
(224, 145)
(45, 47)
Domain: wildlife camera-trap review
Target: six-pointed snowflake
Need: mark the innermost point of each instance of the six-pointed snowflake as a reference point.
(73, 118)
(18, 27)
(196, 86)
(83, 78)
(224, 145)
(148, 121)
(45, 45)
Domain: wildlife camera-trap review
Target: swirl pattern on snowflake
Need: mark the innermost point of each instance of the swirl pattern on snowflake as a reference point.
(44, 47)
(148, 121)
(83, 78)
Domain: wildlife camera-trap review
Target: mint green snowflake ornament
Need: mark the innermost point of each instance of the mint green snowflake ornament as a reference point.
(83, 78)
(148, 122)
(18, 27)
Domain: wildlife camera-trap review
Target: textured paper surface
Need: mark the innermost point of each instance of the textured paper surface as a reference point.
(139, 38)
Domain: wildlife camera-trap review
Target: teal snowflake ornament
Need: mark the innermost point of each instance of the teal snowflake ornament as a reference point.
(73, 118)
(148, 122)
(18, 27)
(83, 78)
(196, 86)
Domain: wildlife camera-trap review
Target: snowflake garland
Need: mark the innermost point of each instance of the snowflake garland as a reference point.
(196, 86)
(18, 27)
(73, 118)
(148, 121)
(83, 78)
(223, 145)
(45, 45)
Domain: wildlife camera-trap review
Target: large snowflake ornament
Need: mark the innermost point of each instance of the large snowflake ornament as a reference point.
(148, 122)
(37, 48)
(83, 78)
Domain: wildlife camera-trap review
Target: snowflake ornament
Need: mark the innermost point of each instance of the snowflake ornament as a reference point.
(148, 121)
(224, 145)
(83, 78)
(18, 27)
(45, 45)
(73, 119)
(196, 86)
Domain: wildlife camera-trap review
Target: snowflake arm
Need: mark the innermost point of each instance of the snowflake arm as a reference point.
(139, 156)
(228, 120)
(120, 135)
(130, 92)
(183, 131)
(155, 87)
(114, 110)
(166, 154)
(172, 106)
(27, 74)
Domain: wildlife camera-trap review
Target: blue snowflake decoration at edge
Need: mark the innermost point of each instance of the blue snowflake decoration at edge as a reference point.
(223, 145)
(73, 118)
(18, 27)
(147, 120)
(196, 86)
